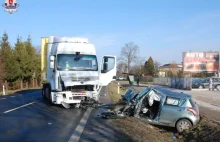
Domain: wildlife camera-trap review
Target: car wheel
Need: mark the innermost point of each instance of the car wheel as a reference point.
(183, 124)
(218, 87)
(200, 87)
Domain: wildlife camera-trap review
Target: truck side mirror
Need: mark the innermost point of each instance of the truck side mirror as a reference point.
(105, 66)
(105, 59)
(51, 62)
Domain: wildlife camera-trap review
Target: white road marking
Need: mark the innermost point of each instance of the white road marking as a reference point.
(3, 98)
(12, 96)
(18, 107)
(80, 127)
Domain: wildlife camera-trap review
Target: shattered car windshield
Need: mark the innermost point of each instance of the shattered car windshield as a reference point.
(142, 93)
(129, 94)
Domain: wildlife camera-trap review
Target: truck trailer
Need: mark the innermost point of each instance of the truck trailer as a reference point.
(71, 73)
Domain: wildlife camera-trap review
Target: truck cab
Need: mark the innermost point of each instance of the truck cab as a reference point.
(72, 73)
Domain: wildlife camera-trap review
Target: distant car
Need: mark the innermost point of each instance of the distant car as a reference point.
(158, 106)
(120, 78)
(114, 78)
(197, 82)
(215, 83)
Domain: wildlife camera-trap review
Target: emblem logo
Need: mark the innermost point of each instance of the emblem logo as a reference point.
(81, 82)
(10, 6)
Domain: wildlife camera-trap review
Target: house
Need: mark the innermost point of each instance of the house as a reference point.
(173, 67)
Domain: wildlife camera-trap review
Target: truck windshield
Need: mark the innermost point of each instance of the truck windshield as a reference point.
(74, 62)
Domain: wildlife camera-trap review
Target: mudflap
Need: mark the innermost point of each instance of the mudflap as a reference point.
(65, 105)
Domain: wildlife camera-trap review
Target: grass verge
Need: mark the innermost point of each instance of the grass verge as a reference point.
(113, 91)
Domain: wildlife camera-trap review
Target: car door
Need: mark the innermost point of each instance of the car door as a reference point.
(206, 83)
(108, 70)
(171, 111)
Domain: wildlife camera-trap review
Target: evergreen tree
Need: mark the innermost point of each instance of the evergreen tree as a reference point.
(31, 60)
(12, 68)
(5, 47)
(19, 63)
(6, 57)
(149, 67)
(20, 58)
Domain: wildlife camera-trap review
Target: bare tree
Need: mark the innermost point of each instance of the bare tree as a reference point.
(121, 67)
(156, 67)
(129, 54)
(138, 68)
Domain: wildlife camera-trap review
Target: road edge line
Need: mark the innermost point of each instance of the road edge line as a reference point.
(80, 127)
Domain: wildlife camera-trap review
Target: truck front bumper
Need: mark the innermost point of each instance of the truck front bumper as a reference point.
(72, 97)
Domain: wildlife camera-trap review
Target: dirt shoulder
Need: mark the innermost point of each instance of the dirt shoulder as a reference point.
(138, 130)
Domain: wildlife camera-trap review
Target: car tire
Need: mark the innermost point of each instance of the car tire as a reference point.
(201, 87)
(183, 124)
(218, 87)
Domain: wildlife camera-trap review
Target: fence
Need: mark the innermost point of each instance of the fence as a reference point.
(144, 79)
(18, 85)
(179, 83)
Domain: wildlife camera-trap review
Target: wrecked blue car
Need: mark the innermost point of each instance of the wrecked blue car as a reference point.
(157, 106)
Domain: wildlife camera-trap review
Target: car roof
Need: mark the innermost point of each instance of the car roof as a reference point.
(171, 93)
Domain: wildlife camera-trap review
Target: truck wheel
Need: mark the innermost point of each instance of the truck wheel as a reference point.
(200, 87)
(183, 124)
(43, 93)
(47, 93)
(50, 95)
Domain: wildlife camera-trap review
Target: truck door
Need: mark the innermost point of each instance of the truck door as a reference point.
(108, 70)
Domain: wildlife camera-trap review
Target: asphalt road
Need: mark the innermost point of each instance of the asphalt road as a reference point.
(28, 117)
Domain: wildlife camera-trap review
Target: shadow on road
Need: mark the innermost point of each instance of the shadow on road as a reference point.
(27, 91)
(99, 129)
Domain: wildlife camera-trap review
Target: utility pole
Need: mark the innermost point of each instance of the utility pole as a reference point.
(218, 64)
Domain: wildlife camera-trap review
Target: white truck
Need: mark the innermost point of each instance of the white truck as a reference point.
(71, 73)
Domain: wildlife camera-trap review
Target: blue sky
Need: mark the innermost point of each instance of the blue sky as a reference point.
(163, 29)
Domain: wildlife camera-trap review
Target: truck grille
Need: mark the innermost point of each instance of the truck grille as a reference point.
(80, 79)
(79, 88)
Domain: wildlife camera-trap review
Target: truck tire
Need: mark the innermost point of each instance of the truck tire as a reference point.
(43, 93)
(47, 93)
(201, 87)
